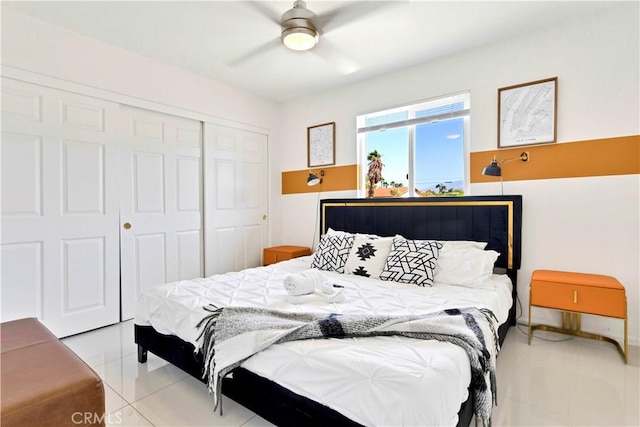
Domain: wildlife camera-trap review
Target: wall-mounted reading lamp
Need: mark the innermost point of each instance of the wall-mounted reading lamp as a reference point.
(313, 179)
(494, 168)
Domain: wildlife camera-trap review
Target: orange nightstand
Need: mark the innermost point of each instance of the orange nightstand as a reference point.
(282, 253)
(576, 294)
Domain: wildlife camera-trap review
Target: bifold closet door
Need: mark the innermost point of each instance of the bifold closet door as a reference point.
(59, 212)
(161, 202)
(236, 188)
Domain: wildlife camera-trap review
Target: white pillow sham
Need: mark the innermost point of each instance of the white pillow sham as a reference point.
(461, 244)
(465, 266)
(332, 232)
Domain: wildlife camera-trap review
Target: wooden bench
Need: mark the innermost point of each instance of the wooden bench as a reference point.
(43, 382)
(576, 294)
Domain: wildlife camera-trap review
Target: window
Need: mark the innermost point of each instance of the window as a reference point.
(414, 150)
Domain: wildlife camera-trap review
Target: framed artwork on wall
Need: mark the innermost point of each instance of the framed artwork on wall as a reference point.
(321, 147)
(527, 113)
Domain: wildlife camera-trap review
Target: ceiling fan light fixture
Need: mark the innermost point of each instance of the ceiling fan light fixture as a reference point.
(300, 38)
(298, 31)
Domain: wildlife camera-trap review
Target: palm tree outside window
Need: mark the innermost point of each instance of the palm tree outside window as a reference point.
(374, 172)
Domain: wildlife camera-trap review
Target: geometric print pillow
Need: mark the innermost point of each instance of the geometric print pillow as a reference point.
(411, 261)
(368, 255)
(332, 252)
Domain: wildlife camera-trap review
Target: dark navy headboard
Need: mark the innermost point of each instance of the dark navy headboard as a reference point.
(493, 219)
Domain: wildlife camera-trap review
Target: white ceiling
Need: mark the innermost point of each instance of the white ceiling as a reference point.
(237, 42)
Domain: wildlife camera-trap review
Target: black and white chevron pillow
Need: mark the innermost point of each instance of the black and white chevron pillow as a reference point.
(333, 252)
(411, 261)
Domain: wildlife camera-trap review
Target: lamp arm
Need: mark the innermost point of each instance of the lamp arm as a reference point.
(524, 156)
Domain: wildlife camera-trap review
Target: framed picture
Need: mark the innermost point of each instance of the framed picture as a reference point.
(321, 147)
(527, 113)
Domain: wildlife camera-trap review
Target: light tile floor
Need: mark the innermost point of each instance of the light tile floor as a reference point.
(555, 381)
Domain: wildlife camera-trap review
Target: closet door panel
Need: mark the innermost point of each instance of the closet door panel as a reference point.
(59, 208)
(148, 183)
(236, 188)
(161, 202)
(83, 175)
(188, 176)
(221, 246)
(189, 245)
(22, 279)
(84, 272)
(150, 261)
(21, 163)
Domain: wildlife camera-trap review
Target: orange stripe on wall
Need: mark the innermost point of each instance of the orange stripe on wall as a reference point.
(598, 157)
(337, 178)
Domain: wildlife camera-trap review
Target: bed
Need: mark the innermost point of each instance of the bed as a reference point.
(266, 385)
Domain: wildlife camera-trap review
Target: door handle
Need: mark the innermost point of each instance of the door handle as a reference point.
(126, 225)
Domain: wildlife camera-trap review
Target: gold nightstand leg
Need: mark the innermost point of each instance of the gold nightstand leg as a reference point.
(626, 340)
(578, 321)
(571, 324)
(529, 332)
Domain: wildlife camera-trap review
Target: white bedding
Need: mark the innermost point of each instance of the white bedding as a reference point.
(373, 381)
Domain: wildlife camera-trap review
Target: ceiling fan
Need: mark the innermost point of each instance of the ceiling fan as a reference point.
(300, 28)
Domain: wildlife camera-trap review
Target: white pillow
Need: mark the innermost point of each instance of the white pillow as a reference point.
(465, 266)
(461, 244)
(368, 255)
(332, 232)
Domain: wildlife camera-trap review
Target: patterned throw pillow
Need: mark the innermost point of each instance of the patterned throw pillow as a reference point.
(332, 252)
(411, 261)
(368, 255)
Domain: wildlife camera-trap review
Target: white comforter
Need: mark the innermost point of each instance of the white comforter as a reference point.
(378, 381)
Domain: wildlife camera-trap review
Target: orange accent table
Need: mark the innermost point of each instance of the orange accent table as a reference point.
(282, 253)
(576, 294)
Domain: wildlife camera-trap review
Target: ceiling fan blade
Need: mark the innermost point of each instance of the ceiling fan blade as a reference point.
(331, 53)
(263, 48)
(265, 11)
(340, 16)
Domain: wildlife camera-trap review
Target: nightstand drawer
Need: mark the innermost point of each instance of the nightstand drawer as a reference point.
(283, 253)
(579, 298)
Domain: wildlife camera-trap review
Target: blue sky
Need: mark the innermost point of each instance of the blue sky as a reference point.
(439, 153)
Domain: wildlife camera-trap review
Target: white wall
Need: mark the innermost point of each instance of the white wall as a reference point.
(47, 50)
(580, 224)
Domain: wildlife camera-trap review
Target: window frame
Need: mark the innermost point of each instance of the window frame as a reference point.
(411, 122)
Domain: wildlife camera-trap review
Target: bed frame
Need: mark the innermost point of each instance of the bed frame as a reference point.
(493, 219)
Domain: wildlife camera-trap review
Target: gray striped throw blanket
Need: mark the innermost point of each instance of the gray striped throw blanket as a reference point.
(230, 335)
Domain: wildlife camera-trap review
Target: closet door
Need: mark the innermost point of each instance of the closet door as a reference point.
(236, 189)
(161, 202)
(59, 208)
